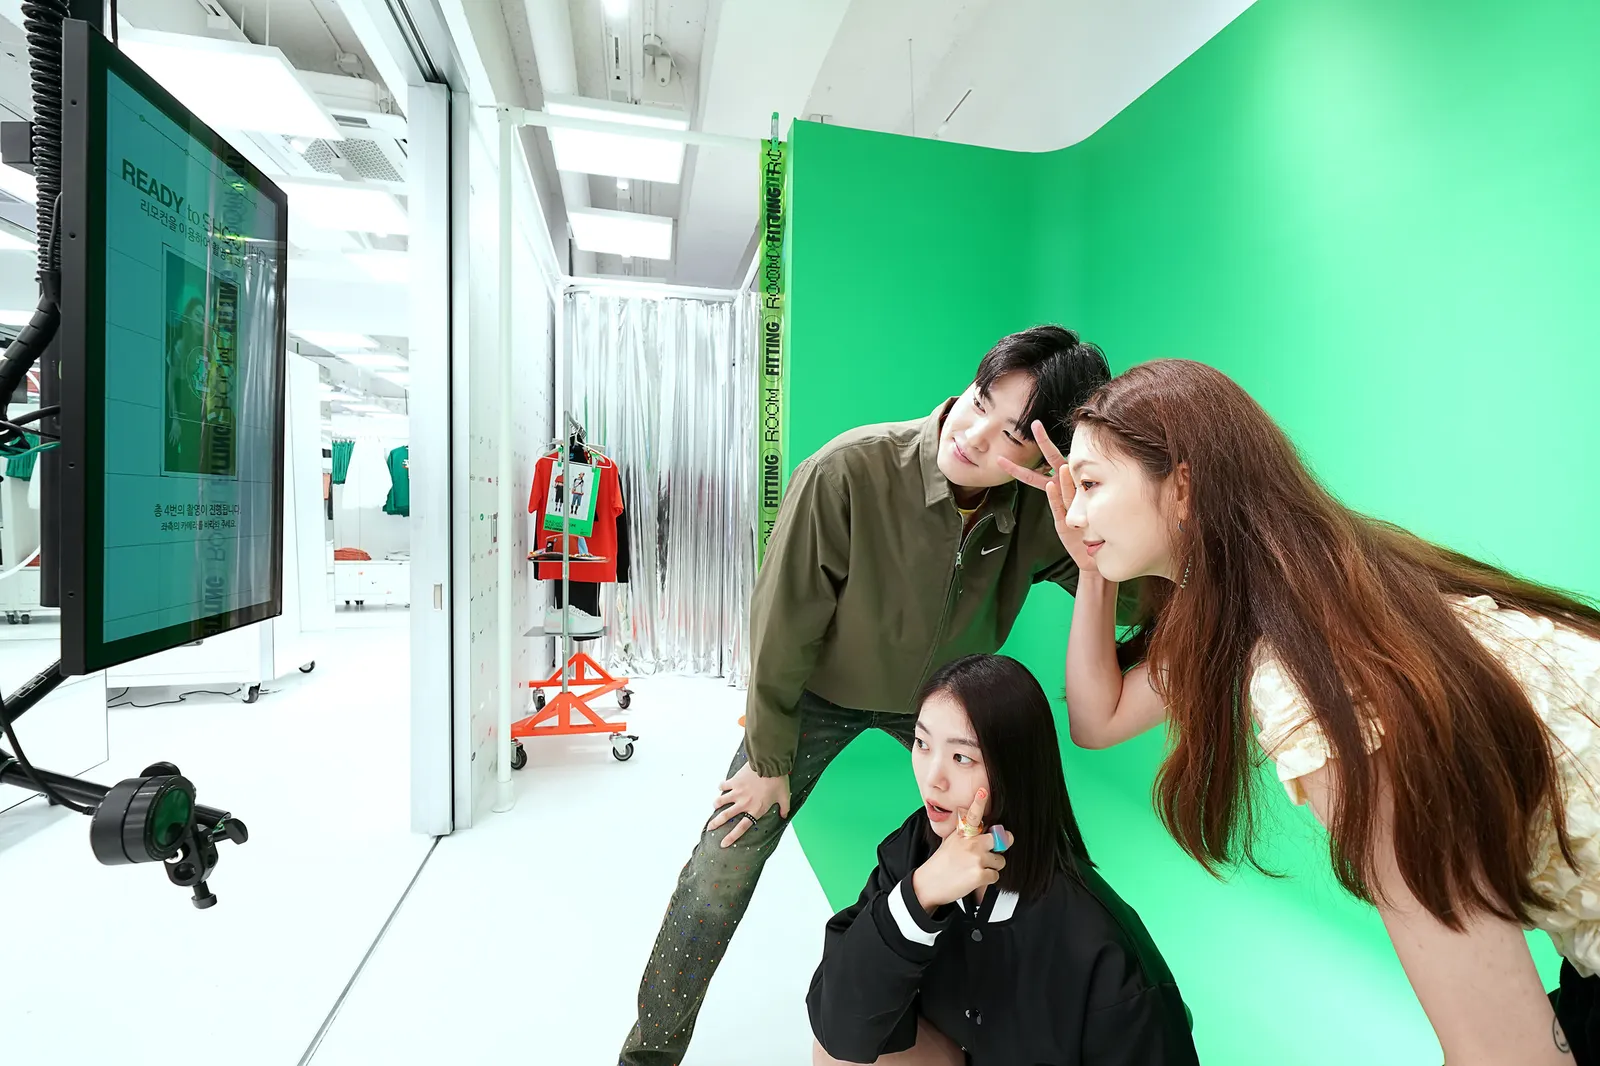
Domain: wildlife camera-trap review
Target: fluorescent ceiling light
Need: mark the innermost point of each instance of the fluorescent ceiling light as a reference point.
(393, 268)
(373, 359)
(18, 184)
(345, 205)
(322, 266)
(232, 85)
(334, 341)
(661, 118)
(310, 238)
(11, 242)
(622, 233)
(617, 154)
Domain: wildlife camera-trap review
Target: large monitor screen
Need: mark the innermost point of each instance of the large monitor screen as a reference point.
(173, 255)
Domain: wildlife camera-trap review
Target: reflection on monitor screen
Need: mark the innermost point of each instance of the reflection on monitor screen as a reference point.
(172, 389)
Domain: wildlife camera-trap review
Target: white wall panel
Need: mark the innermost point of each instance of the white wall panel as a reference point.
(487, 533)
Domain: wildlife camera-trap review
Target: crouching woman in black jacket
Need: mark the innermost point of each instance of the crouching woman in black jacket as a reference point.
(992, 946)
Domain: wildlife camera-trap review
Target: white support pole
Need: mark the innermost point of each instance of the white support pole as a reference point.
(504, 798)
(750, 274)
(563, 388)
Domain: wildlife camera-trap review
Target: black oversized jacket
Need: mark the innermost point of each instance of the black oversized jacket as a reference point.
(1069, 979)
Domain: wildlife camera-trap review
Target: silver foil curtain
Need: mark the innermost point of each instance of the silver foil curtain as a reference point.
(668, 388)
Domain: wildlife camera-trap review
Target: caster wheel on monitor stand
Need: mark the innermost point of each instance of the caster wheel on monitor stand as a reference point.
(308, 667)
(519, 757)
(27, 619)
(253, 694)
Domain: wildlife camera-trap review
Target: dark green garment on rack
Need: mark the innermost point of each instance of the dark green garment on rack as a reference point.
(21, 466)
(399, 501)
(341, 459)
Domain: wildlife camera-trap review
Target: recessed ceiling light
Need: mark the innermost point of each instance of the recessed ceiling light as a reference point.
(390, 267)
(619, 154)
(373, 359)
(622, 233)
(18, 184)
(231, 85)
(346, 205)
(335, 341)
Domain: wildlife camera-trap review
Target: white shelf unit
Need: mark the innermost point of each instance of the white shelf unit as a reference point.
(372, 583)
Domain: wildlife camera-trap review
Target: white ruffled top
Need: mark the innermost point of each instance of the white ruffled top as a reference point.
(1559, 668)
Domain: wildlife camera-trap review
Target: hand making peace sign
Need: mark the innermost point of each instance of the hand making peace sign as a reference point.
(1058, 485)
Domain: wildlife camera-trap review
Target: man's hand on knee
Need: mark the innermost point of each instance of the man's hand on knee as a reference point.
(746, 797)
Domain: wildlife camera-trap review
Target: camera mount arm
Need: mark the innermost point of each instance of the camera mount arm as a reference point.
(150, 818)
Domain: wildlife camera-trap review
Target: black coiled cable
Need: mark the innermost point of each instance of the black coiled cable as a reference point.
(42, 21)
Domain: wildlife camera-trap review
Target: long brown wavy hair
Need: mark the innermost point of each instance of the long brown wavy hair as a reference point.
(1348, 605)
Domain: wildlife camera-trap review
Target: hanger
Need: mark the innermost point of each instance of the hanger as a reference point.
(554, 449)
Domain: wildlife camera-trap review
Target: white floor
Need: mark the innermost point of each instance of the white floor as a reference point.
(522, 938)
(113, 964)
(525, 937)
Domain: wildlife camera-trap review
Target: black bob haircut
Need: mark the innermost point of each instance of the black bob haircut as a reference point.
(1016, 733)
(1065, 369)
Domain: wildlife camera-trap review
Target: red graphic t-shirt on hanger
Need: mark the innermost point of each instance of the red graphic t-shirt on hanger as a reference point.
(603, 542)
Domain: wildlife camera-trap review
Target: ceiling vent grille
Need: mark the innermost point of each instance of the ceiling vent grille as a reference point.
(360, 157)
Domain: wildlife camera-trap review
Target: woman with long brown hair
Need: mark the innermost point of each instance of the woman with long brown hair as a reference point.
(1438, 714)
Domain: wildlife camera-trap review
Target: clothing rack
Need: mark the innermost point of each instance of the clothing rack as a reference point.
(569, 712)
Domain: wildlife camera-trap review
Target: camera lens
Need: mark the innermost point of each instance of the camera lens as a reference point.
(169, 817)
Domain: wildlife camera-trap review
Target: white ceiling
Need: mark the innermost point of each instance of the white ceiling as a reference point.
(882, 50)
(312, 33)
(1043, 74)
(764, 57)
(327, 292)
(16, 102)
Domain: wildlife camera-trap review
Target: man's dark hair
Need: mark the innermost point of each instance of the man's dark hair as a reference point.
(1016, 732)
(1065, 369)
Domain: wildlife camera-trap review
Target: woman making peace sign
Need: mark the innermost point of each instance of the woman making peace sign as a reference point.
(986, 944)
(1438, 713)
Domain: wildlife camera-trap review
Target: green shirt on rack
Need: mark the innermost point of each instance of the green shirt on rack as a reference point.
(399, 501)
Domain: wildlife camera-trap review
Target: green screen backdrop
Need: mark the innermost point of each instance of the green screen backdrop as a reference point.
(1380, 217)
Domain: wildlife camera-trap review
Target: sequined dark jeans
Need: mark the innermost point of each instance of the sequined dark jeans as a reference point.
(716, 884)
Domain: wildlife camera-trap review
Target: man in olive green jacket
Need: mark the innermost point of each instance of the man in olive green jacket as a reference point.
(898, 548)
